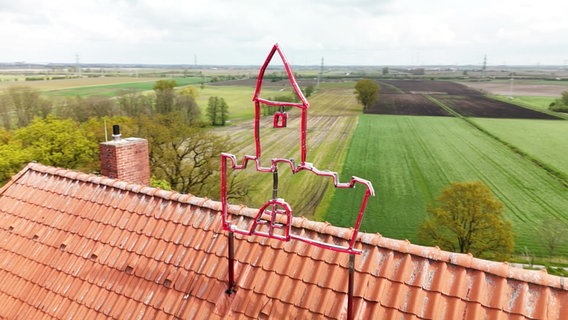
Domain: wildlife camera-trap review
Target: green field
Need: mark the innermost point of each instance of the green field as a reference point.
(531, 102)
(238, 98)
(410, 159)
(543, 140)
(111, 90)
(539, 103)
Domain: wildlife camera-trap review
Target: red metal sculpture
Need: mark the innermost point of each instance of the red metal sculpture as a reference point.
(274, 218)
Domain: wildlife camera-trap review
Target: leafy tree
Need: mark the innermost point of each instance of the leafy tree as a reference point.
(564, 98)
(224, 111)
(12, 157)
(217, 111)
(367, 92)
(189, 91)
(560, 104)
(165, 95)
(160, 183)
(51, 141)
(12, 160)
(164, 85)
(469, 219)
(308, 90)
(212, 110)
(57, 142)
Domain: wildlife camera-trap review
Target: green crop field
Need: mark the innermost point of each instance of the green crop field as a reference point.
(238, 98)
(532, 102)
(544, 140)
(410, 159)
(111, 90)
(540, 103)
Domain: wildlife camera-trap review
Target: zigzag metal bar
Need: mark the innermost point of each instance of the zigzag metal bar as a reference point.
(225, 157)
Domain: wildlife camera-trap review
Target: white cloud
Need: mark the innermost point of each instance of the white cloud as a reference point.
(241, 32)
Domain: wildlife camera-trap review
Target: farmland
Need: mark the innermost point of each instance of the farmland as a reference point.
(540, 139)
(411, 158)
(404, 97)
(65, 84)
(521, 87)
(110, 90)
(421, 136)
(101, 86)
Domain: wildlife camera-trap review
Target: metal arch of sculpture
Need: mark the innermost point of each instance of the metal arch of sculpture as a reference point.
(276, 209)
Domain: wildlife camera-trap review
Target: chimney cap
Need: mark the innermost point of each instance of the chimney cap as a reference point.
(116, 132)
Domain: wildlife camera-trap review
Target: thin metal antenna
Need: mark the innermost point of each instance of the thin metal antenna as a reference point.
(484, 67)
(320, 74)
(77, 66)
(512, 86)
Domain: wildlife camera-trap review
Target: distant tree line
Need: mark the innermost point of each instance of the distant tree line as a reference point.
(20, 105)
(66, 133)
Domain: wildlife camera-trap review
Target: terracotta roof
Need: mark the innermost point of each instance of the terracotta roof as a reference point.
(74, 245)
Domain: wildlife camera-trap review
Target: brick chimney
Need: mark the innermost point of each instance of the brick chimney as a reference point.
(125, 159)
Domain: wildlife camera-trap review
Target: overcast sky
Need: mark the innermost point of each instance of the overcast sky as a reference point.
(344, 32)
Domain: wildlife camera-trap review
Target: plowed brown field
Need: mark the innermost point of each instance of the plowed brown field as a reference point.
(410, 97)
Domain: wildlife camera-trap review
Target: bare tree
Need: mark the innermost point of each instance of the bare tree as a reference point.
(27, 103)
(553, 234)
(184, 156)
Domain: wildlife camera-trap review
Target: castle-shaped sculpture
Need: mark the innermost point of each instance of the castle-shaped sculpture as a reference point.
(273, 219)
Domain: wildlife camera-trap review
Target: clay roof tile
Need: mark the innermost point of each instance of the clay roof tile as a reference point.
(113, 249)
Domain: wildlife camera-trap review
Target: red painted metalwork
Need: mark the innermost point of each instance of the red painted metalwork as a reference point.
(280, 119)
(231, 254)
(276, 214)
(351, 286)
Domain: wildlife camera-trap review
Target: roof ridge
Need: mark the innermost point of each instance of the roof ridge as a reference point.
(502, 269)
(15, 177)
